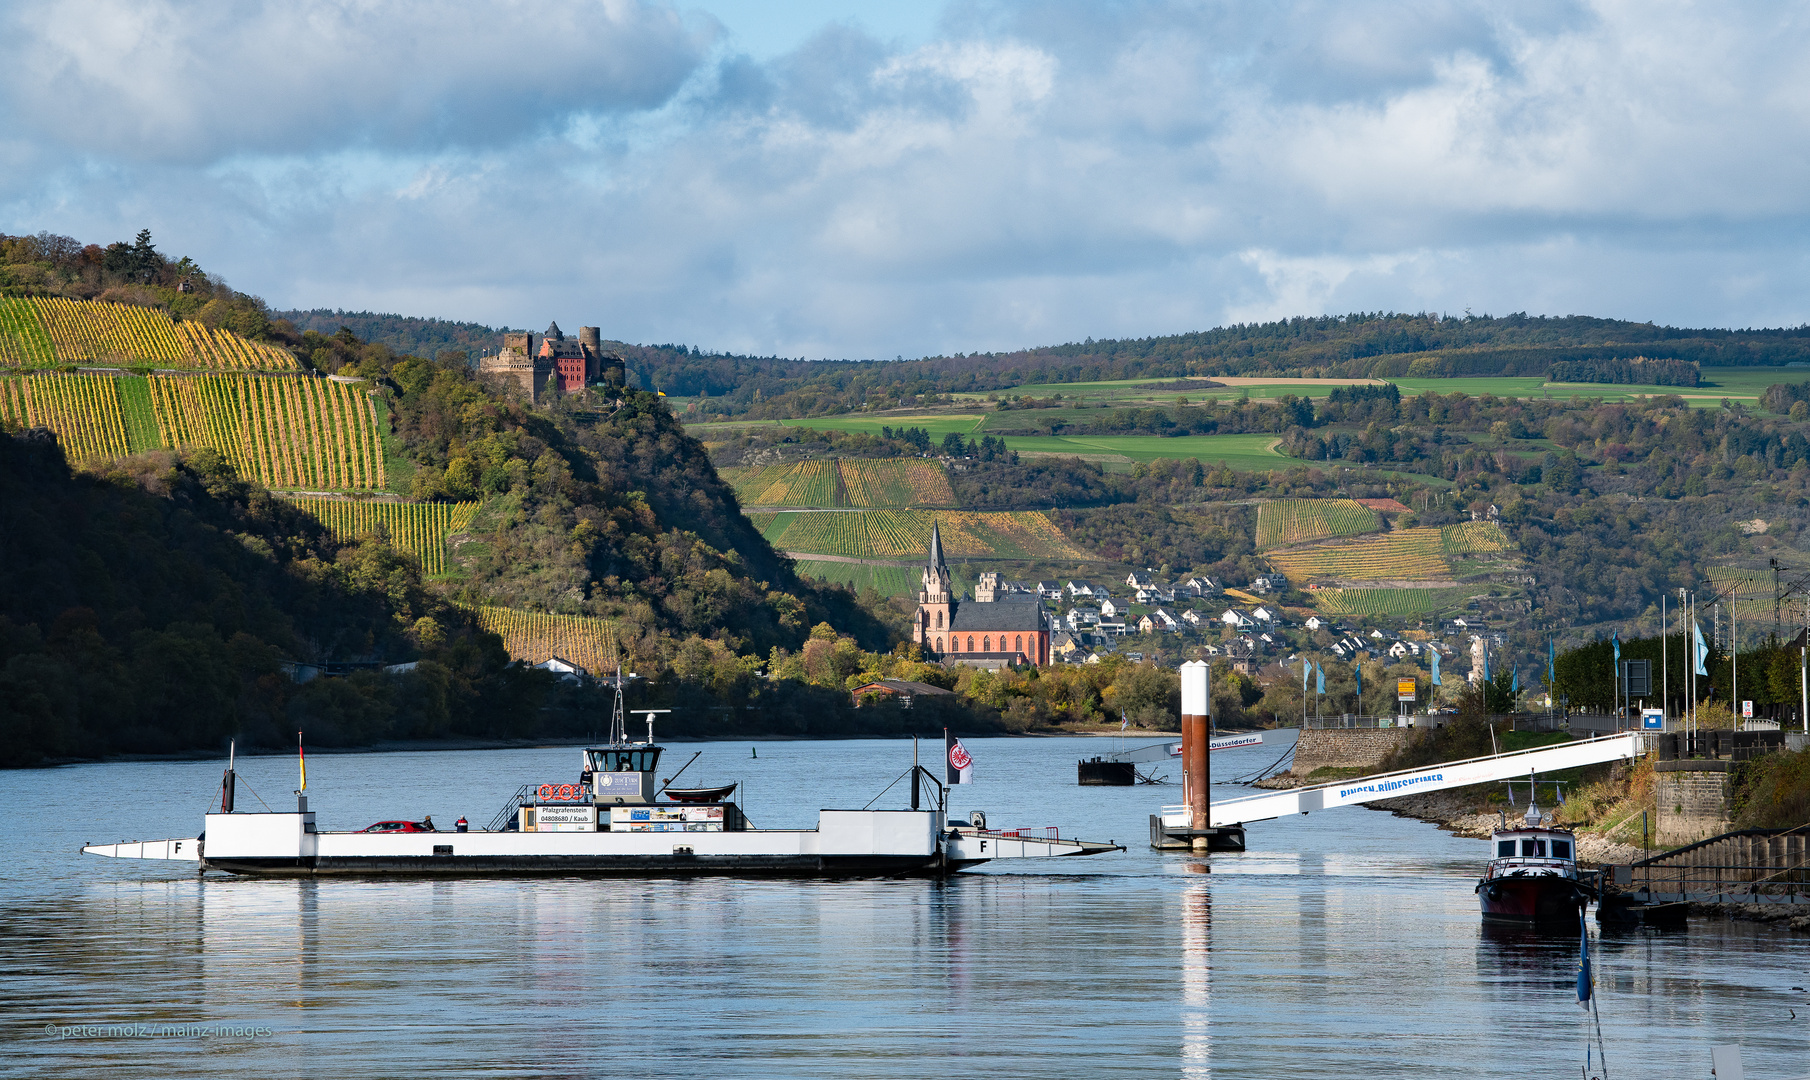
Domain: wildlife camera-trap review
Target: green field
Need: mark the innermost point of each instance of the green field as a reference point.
(887, 580)
(1736, 384)
(937, 424)
(1362, 602)
(1251, 452)
(138, 414)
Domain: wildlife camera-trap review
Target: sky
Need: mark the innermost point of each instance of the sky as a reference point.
(849, 180)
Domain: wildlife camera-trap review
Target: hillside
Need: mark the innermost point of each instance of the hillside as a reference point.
(402, 335)
(148, 608)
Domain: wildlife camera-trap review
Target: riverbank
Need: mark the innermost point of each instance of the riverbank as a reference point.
(1463, 812)
(394, 746)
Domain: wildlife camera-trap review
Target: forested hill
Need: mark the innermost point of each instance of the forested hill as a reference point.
(148, 609)
(603, 509)
(402, 334)
(1379, 345)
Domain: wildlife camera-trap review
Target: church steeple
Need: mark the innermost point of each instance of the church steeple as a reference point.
(936, 610)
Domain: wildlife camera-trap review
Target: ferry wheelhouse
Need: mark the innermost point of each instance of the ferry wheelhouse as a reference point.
(1533, 877)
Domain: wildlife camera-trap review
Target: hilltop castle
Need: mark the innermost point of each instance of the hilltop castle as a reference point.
(578, 362)
(995, 629)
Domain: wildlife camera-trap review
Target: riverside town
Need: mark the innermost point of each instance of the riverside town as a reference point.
(868, 540)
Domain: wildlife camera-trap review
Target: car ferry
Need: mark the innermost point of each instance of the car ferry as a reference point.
(1533, 878)
(613, 821)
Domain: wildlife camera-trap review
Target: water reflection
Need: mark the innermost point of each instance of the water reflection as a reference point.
(1342, 944)
(1197, 976)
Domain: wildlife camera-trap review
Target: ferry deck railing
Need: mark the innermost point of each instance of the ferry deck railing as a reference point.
(522, 794)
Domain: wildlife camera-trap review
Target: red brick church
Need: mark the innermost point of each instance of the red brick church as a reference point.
(995, 629)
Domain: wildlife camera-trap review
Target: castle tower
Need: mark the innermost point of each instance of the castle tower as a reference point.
(590, 342)
(935, 602)
(987, 588)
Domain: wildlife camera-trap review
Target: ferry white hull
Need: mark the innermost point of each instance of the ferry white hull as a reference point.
(846, 843)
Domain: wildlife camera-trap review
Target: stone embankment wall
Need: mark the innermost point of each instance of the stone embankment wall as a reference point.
(1691, 798)
(1341, 748)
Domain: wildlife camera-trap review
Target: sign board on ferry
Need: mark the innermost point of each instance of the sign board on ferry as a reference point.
(565, 819)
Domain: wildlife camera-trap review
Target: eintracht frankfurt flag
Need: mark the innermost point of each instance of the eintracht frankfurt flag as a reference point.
(961, 766)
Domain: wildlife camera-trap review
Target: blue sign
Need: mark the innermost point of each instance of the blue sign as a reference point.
(1652, 720)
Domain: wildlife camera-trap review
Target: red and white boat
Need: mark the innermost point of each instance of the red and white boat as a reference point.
(1533, 878)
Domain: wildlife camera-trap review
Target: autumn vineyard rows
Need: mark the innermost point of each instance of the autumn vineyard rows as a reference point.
(1281, 522)
(284, 432)
(1406, 554)
(84, 411)
(905, 534)
(314, 434)
(839, 482)
(536, 637)
(420, 529)
(1358, 603)
(40, 331)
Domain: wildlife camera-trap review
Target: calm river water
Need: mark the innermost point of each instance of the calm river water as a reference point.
(1346, 944)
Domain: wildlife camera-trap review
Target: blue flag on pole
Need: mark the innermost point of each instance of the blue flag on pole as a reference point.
(1357, 672)
(1514, 685)
(1550, 677)
(1434, 653)
(1615, 641)
(1702, 649)
(1319, 679)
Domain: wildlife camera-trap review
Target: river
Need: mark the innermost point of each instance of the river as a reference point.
(1343, 944)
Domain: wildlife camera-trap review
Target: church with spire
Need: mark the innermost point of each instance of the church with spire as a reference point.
(993, 629)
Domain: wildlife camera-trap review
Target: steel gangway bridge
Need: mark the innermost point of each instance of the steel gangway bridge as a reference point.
(1513, 765)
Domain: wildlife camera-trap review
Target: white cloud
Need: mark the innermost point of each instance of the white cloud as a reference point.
(1036, 173)
(163, 81)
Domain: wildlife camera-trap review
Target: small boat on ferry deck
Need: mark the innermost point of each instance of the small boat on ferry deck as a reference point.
(1533, 878)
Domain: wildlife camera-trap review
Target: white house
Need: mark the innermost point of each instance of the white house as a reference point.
(1112, 626)
(1079, 617)
(563, 668)
(1399, 650)
(1110, 610)
(1191, 617)
(1264, 584)
(1235, 619)
(1314, 622)
(1138, 579)
(1200, 586)
(1165, 620)
(1049, 590)
(1078, 589)
(1263, 614)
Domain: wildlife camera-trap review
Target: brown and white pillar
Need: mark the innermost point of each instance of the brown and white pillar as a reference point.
(1197, 735)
